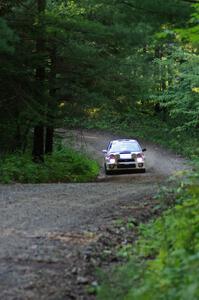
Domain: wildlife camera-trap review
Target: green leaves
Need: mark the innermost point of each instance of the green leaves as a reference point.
(65, 165)
(97, 54)
(7, 38)
(180, 97)
(164, 265)
(191, 33)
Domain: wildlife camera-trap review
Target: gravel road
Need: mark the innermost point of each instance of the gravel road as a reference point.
(46, 228)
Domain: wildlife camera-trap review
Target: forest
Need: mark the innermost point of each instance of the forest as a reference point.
(66, 63)
(116, 65)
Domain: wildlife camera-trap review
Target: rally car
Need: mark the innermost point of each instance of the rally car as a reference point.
(123, 154)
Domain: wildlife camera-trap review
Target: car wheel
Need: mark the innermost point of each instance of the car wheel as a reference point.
(143, 170)
(107, 172)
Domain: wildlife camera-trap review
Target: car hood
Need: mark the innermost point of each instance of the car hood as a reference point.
(124, 152)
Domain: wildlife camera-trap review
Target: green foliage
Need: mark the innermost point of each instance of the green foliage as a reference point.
(190, 34)
(144, 126)
(180, 97)
(95, 53)
(64, 165)
(7, 38)
(164, 265)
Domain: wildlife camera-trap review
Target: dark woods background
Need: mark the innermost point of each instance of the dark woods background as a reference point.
(72, 60)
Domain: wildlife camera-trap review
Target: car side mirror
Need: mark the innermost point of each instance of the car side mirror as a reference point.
(104, 151)
(143, 150)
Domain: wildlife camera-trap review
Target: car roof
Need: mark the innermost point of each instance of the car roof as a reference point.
(124, 140)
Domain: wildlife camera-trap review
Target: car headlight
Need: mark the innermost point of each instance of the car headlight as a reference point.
(140, 160)
(140, 157)
(111, 159)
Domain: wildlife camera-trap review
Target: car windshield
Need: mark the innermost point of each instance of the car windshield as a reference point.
(125, 147)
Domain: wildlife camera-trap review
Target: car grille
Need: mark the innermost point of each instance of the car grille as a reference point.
(125, 166)
(126, 160)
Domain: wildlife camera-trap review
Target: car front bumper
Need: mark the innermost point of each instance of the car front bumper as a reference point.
(125, 166)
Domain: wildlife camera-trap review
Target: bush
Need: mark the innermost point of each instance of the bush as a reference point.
(164, 264)
(64, 165)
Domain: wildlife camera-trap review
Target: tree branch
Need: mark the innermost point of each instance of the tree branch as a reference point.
(154, 11)
(190, 1)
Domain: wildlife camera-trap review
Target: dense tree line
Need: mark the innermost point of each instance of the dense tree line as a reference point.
(62, 58)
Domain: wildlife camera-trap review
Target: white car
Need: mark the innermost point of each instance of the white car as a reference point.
(123, 154)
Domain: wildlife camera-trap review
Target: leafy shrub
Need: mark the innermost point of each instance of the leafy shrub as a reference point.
(64, 165)
(164, 264)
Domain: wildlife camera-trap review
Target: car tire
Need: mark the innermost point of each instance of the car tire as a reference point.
(107, 172)
(143, 170)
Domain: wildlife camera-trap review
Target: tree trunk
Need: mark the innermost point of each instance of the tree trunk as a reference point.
(38, 138)
(38, 143)
(51, 104)
(49, 140)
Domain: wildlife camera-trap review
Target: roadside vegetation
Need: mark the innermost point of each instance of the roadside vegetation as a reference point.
(64, 165)
(163, 263)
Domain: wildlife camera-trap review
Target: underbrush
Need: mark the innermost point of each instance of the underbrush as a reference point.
(64, 165)
(164, 263)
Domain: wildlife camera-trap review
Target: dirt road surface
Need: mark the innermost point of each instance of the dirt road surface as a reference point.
(47, 230)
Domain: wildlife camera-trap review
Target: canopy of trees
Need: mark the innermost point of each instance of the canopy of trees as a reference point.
(61, 58)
